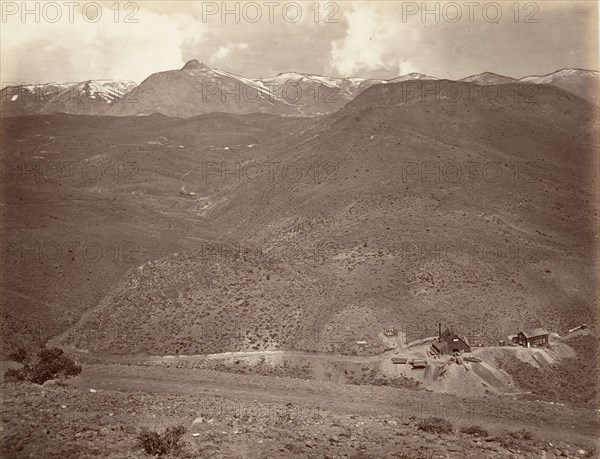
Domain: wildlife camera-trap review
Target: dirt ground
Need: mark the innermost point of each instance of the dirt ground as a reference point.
(100, 412)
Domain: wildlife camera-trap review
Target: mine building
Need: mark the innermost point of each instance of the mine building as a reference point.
(419, 363)
(533, 338)
(391, 331)
(449, 343)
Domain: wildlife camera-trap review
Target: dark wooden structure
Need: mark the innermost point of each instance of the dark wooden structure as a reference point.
(419, 363)
(533, 338)
(391, 331)
(449, 343)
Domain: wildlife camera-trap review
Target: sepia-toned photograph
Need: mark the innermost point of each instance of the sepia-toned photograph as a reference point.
(300, 229)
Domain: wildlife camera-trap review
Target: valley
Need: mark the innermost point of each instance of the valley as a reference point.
(243, 256)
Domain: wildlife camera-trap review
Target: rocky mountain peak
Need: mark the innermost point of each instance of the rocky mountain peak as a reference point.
(194, 64)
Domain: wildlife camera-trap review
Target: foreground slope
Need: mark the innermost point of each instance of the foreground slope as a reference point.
(255, 416)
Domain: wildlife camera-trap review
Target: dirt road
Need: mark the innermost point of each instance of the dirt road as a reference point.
(496, 414)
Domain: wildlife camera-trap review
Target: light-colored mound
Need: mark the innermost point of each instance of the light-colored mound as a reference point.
(536, 357)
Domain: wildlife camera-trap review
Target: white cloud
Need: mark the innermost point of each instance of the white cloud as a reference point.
(374, 40)
(406, 67)
(370, 40)
(226, 50)
(105, 49)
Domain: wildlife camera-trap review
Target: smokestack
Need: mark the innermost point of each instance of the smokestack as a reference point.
(440, 330)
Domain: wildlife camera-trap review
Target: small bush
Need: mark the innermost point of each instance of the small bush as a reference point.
(14, 375)
(517, 439)
(435, 425)
(522, 434)
(156, 444)
(20, 355)
(49, 364)
(475, 430)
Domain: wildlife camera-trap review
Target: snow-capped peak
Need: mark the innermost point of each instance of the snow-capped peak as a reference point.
(488, 78)
(104, 90)
(413, 76)
(560, 74)
(303, 77)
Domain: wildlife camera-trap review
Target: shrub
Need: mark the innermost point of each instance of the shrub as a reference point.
(517, 439)
(20, 355)
(49, 364)
(435, 425)
(14, 374)
(156, 444)
(475, 430)
(522, 434)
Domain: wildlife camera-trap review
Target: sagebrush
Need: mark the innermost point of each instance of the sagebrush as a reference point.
(435, 425)
(161, 444)
(48, 364)
(475, 430)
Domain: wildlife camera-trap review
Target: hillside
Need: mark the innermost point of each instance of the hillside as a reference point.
(247, 415)
(198, 254)
(524, 239)
(314, 94)
(21, 100)
(92, 97)
(218, 298)
(399, 246)
(582, 83)
(62, 175)
(488, 78)
(197, 88)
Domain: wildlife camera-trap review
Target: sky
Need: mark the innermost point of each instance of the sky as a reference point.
(57, 42)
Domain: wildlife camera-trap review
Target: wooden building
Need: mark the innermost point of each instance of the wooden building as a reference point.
(533, 338)
(449, 343)
(391, 331)
(419, 363)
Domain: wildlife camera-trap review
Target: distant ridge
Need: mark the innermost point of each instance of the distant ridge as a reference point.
(488, 78)
(196, 89)
(583, 83)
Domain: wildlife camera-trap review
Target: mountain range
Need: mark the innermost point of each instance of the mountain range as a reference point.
(259, 232)
(196, 89)
(91, 97)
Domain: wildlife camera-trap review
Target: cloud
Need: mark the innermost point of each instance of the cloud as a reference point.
(406, 67)
(369, 40)
(223, 51)
(47, 51)
(374, 40)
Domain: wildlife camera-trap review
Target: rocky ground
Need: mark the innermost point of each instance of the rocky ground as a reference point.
(63, 420)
